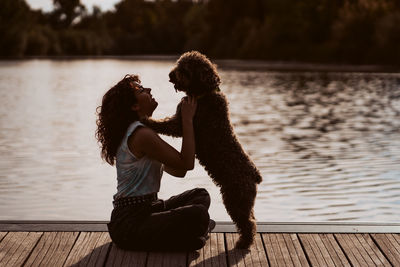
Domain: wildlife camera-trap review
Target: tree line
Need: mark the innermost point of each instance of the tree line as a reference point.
(340, 31)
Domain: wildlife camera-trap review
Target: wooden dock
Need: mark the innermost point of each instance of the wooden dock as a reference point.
(277, 244)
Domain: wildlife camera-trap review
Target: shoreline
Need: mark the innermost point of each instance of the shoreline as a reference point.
(240, 64)
(286, 66)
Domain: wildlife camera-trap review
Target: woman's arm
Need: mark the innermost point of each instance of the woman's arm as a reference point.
(175, 172)
(146, 142)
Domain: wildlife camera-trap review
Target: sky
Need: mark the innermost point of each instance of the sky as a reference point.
(47, 5)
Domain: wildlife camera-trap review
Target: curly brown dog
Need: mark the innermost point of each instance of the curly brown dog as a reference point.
(217, 147)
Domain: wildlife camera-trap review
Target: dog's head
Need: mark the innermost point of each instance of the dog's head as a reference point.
(194, 74)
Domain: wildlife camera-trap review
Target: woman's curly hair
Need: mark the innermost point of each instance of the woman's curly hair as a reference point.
(115, 115)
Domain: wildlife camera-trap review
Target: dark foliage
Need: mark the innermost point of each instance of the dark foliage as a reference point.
(341, 31)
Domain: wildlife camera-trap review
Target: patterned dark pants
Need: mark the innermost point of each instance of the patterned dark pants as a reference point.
(175, 224)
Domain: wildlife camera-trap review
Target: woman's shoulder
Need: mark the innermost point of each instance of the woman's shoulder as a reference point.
(134, 125)
(141, 131)
(140, 138)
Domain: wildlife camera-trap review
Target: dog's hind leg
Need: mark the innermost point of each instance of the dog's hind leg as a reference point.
(247, 230)
(239, 203)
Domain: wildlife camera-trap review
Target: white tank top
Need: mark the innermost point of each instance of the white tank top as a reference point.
(136, 177)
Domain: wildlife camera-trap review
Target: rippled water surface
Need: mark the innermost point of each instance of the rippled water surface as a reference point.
(327, 144)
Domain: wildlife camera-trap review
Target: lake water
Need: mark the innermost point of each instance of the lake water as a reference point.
(327, 144)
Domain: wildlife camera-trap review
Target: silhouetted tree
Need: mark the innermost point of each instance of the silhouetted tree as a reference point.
(66, 12)
(346, 31)
(14, 17)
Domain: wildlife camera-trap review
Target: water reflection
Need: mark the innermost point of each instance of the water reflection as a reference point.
(325, 141)
(327, 144)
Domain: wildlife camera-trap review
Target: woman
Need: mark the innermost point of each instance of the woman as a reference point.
(139, 220)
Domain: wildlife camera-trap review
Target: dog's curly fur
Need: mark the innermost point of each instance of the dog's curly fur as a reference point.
(217, 147)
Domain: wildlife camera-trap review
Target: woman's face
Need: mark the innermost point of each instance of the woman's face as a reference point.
(146, 104)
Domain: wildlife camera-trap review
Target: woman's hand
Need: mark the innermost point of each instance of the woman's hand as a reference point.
(147, 142)
(188, 109)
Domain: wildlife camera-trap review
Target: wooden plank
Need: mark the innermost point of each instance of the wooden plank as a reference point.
(255, 256)
(359, 247)
(170, 259)
(393, 241)
(41, 249)
(397, 237)
(212, 254)
(323, 250)
(295, 250)
(387, 248)
(52, 249)
(2, 235)
(347, 250)
(134, 258)
(372, 250)
(17, 247)
(375, 248)
(87, 249)
(173, 259)
(334, 250)
(208, 253)
(119, 257)
(99, 255)
(311, 248)
(257, 253)
(115, 257)
(81, 249)
(350, 250)
(271, 249)
(308, 250)
(155, 259)
(218, 253)
(91, 248)
(197, 258)
(8, 244)
(284, 250)
(24, 249)
(278, 252)
(235, 257)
